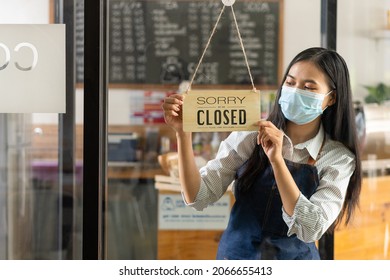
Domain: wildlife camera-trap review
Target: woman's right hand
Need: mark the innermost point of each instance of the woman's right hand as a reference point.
(173, 111)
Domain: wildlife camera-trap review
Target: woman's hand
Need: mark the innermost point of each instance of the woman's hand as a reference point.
(271, 139)
(188, 170)
(172, 107)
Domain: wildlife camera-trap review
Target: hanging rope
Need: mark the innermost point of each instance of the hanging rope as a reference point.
(243, 49)
(204, 51)
(208, 43)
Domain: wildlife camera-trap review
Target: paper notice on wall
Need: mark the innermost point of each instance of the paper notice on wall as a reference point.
(173, 214)
(145, 107)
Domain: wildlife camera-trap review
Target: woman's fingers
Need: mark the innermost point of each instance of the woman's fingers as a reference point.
(267, 140)
(170, 110)
(172, 104)
(175, 99)
(268, 133)
(263, 123)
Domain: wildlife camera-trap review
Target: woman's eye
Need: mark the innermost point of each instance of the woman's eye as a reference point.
(310, 88)
(288, 83)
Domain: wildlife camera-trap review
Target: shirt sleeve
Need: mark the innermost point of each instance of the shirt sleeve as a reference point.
(220, 172)
(312, 217)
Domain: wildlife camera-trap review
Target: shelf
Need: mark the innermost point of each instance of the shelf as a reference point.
(383, 34)
(129, 172)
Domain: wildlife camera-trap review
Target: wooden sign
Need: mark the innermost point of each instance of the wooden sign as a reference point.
(221, 110)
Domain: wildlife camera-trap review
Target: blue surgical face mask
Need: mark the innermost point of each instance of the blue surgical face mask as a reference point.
(301, 106)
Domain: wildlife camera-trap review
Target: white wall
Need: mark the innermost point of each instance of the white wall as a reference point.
(24, 11)
(360, 37)
(368, 59)
(302, 27)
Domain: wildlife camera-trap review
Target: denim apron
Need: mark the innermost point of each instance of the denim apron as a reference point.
(256, 229)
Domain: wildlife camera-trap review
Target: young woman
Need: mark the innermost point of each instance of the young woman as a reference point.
(295, 178)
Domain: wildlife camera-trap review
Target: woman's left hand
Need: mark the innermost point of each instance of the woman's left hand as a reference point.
(271, 139)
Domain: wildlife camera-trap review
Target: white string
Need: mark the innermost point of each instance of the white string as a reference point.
(204, 51)
(208, 43)
(243, 49)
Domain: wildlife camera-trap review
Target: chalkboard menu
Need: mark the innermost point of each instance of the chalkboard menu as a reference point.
(160, 42)
(79, 40)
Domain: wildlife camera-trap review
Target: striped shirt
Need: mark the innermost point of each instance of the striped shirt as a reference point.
(311, 217)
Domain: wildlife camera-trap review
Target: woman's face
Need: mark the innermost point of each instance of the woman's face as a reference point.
(306, 75)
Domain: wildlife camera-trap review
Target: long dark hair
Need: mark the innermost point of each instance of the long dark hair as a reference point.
(338, 121)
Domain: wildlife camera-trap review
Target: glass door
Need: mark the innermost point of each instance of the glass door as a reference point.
(368, 26)
(153, 49)
(40, 153)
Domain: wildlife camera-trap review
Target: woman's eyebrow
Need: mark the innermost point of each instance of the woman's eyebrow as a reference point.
(310, 81)
(290, 76)
(306, 81)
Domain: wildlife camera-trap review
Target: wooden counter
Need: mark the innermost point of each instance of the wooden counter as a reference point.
(188, 244)
(132, 171)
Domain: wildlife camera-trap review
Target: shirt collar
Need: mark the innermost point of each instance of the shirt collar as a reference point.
(312, 145)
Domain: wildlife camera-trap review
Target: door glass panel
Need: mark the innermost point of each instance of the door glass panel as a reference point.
(40, 185)
(368, 26)
(154, 47)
